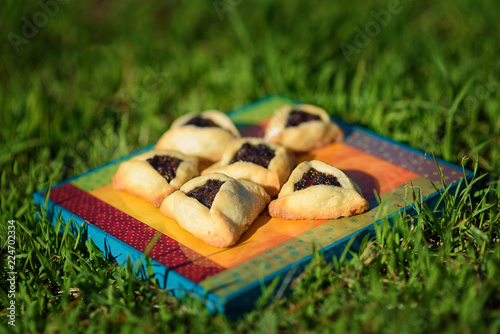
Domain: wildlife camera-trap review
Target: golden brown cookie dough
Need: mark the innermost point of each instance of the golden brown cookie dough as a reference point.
(309, 198)
(207, 137)
(226, 212)
(139, 177)
(302, 128)
(271, 176)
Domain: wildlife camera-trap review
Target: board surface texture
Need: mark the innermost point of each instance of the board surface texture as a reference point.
(231, 279)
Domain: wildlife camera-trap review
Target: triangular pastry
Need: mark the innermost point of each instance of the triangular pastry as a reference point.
(155, 174)
(216, 208)
(203, 135)
(317, 190)
(256, 160)
(302, 128)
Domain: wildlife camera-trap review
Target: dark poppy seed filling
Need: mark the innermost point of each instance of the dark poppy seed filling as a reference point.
(258, 154)
(314, 178)
(206, 193)
(165, 165)
(297, 117)
(202, 122)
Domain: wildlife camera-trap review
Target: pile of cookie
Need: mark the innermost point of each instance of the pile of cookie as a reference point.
(244, 174)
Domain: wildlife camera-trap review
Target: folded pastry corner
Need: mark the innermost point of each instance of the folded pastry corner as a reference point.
(155, 174)
(317, 190)
(204, 135)
(254, 159)
(302, 128)
(216, 208)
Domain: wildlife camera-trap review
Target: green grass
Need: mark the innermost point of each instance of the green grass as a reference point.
(102, 79)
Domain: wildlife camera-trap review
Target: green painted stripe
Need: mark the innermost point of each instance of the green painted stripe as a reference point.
(255, 112)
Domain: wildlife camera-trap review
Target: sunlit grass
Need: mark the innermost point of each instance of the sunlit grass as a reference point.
(102, 79)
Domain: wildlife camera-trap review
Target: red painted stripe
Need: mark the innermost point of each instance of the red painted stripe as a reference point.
(167, 251)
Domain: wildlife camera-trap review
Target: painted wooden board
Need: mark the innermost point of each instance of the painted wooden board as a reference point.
(231, 279)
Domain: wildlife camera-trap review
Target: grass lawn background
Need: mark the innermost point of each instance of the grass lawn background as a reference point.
(96, 80)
